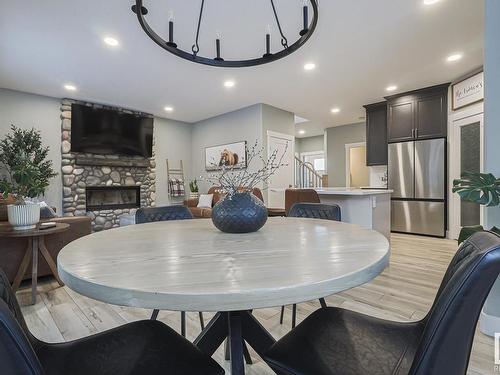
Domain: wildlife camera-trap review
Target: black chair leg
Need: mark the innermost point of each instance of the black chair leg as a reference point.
(294, 315)
(154, 315)
(246, 354)
(183, 323)
(282, 314)
(227, 354)
(323, 303)
(202, 322)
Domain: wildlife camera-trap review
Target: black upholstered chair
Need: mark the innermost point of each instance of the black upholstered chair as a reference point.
(313, 211)
(337, 341)
(152, 214)
(143, 347)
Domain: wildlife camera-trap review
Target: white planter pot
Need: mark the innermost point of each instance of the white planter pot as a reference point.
(23, 216)
(194, 195)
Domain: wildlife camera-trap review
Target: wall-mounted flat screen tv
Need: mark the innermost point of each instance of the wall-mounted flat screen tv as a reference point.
(108, 131)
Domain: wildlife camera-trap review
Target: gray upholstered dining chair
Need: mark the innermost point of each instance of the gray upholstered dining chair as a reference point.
(334, 340)
(313, 211)
(141, 347)
(166, 213)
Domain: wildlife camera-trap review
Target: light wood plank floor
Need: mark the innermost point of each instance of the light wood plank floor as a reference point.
(404, 291)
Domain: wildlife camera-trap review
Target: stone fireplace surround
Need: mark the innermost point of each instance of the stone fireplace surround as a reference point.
(79, 170)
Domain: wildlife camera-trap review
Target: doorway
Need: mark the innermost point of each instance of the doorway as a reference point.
(284, 176)
(357, 173)
(467, 155)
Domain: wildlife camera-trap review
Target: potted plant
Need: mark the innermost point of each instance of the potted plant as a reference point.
(481, 188)
(26, 174)
(193, 188)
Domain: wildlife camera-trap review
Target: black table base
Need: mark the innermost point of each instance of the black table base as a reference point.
(237, 327)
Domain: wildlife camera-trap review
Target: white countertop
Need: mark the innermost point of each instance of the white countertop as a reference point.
(351, 191)
(344, 191)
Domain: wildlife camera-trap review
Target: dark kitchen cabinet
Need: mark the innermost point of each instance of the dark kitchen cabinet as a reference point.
(376, 134)
(419, 114)
(401, 119)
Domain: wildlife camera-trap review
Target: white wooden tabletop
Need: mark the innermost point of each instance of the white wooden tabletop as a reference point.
(189, 265)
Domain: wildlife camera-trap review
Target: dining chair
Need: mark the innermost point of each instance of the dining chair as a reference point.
(299, 196)
(338, 341)
(313, 211)
(142, 347)
(166, 213)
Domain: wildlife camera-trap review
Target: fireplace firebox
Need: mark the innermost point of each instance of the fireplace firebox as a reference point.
(112, 197)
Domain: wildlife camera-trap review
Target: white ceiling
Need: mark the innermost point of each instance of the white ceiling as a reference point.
(359, 48)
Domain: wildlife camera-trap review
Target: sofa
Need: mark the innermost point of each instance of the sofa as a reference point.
(12, 250)
(199, 212)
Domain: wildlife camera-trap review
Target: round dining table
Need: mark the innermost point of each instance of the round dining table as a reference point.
(189, 265)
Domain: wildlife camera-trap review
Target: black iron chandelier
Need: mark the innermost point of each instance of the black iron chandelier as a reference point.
(268, 55)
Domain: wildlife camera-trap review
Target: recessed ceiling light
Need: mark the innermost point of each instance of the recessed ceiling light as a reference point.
(335, 110)
(391, 88)
(302, 132)
(70, 87)
(168, 108)
(229, 84)
(110, 41)
(454, 57)
(309, 66)
(430, 2)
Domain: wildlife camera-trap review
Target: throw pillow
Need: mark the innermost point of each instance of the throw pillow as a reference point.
(205, 201)
(46, 212)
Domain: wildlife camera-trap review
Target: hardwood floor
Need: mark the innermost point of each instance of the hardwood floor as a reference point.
(404, 292)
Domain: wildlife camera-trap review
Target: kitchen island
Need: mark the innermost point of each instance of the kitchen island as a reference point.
(369, 208)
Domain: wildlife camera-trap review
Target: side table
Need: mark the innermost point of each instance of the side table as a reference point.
(36, 243)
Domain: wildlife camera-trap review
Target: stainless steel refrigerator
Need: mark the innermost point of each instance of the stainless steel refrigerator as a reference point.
(417, 174)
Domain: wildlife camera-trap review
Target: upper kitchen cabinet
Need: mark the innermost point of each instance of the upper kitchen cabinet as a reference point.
(376, 134)
(419, 114)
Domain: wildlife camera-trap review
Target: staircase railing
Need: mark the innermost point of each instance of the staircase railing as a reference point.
(306, 176)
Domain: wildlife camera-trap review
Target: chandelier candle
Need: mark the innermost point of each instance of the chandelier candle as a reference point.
(305, 17)
(268, 45)
(171, 34)
(217, 49)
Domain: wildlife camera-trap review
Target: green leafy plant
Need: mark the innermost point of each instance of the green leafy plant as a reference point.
(193, 186)
(24, 165)
(481, 188)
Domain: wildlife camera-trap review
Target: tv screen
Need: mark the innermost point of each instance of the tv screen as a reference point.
(107, 131)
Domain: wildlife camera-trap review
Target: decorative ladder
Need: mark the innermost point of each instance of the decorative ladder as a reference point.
(306, 176)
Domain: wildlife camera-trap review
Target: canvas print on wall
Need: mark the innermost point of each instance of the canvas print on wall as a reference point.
(229, 155)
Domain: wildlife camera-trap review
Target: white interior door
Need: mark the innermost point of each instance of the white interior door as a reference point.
(467, 155)
(284, 176)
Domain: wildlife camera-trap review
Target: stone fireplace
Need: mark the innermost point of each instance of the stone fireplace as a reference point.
(104, 187)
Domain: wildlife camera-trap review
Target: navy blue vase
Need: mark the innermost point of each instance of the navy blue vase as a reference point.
(240, 213)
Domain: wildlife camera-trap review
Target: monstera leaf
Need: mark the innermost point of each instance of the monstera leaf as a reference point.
(482, 188)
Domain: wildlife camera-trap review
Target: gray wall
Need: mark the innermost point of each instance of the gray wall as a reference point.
(492, 98)
(310, 144)
(172, 142)
(242, 125)
(492, 124)
(276, 120)
(337, 138)
(42, 113)
(172, 138)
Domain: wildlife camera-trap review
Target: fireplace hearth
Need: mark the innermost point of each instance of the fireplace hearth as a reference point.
(112, 197)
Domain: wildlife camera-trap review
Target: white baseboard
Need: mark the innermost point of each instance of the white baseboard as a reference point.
(489, 324)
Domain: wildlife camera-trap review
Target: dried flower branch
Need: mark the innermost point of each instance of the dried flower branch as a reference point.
(232, 179)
